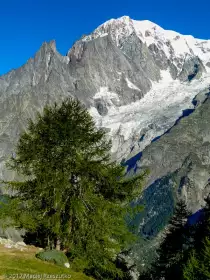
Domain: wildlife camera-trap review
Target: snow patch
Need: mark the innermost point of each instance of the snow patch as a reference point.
(117, 28)
(103, 35)
(109, 98)
(105, 94)
(131, 85)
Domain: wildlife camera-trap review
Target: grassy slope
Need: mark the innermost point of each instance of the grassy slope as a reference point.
(14, 261)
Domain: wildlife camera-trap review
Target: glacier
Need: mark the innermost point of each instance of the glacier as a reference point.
(149, 117)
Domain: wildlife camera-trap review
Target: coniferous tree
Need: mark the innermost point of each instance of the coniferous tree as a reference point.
(171, 251)
(191, 269)
(205, 261)
(72, 191)
(192, 255)
(201, 228)
(198, 264)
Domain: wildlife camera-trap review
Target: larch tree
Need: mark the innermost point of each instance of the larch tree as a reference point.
(72, 192)
(198, 264)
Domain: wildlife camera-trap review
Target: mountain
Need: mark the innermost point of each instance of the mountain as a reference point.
(148, 87)
(178, 58)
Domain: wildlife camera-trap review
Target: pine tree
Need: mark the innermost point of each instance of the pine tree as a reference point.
(191, 269)
(171, 250)
(72, 191)
(198, 265)
(205, 261)
(201, 229)
(185, 251)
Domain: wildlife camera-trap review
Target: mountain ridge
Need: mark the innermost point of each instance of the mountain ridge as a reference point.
(149, 32)
(122, 63)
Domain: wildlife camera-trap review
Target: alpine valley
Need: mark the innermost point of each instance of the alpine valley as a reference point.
(149, 88)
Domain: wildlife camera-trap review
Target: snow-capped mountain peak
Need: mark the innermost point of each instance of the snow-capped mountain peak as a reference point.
(173, 44)
(177, 57)
(116, 28)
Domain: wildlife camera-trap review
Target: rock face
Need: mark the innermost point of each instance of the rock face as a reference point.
(188, 141)
(12, 234)
(137, 80)
(179, 164)
(192, 68)
(10, 244)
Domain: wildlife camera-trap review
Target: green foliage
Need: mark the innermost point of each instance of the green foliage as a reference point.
(54, 256)
(72, 191)
(201, 229)
(191, 269)
(198, 265)
(164, 198)
(185, 250)
(205, 261)
(171, 252)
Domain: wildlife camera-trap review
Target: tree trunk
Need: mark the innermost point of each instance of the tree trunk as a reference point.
(58, 244)
(48, 242)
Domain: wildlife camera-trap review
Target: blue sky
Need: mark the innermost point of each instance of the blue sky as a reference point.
(26, 24)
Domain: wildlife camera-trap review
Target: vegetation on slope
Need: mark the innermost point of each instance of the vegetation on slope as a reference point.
(184, 253)
(72, 198)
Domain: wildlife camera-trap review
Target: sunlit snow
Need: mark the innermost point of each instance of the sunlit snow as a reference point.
(155, 113)
(174, 44)
(131, 85)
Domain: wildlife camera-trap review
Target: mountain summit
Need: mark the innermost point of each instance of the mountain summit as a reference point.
(175, 46)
